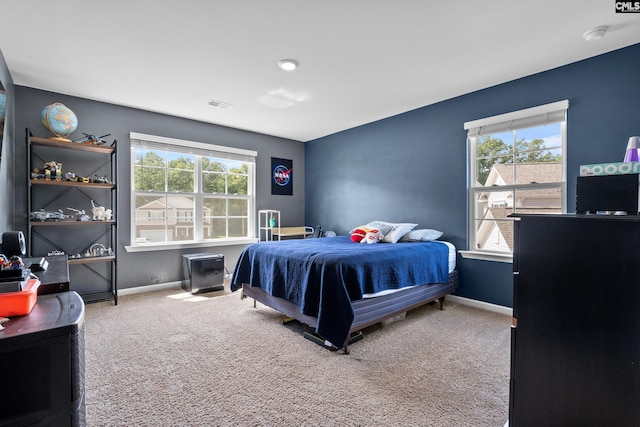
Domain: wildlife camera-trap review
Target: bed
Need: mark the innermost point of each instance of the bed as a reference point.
(339, 287)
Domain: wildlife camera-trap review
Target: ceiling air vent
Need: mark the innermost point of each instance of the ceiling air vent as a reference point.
(220, 104)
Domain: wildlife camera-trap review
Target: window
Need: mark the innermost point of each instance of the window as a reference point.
(516, 165)
(188, 192)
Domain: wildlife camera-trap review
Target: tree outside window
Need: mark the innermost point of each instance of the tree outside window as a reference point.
(181, 196)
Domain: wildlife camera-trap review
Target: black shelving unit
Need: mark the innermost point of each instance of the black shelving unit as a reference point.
(70, 235)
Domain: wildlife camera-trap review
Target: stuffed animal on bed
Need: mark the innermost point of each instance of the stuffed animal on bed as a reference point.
(358, 233)
(372, 236)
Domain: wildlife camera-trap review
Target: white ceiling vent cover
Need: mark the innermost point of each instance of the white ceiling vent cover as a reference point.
(220, 104)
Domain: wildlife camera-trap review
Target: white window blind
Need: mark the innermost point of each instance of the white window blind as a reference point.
(530, 117)
(153, 142)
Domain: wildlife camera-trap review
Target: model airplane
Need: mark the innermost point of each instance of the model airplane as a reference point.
(90, 139)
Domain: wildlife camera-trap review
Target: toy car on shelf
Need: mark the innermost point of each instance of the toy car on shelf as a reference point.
(101, 180)
(72, 177)
(43, 215)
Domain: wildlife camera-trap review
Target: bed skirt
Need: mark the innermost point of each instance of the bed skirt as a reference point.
(368, 311)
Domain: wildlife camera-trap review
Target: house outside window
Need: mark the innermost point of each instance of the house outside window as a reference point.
(516, 164)
(188, 192)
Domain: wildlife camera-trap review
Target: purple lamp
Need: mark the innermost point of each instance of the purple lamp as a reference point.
(633, 147)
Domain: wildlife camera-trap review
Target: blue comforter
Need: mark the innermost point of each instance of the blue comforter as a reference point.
(322, 276)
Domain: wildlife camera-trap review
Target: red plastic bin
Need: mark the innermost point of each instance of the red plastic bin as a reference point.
(19, 303)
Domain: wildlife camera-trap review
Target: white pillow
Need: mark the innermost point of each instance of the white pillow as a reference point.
(381, 226)
(395, 230)
(422, 235)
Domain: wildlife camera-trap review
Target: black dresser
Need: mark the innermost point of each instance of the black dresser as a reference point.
(575, 349)
(42, 364)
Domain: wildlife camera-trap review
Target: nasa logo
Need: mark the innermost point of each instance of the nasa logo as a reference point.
(281, 175)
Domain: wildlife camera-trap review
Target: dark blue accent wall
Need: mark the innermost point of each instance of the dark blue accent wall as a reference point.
(412, 167)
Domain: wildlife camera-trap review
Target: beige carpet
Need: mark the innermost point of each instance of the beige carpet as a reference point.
(160, 359)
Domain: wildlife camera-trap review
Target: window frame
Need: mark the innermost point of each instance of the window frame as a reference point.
(518, 120)
(199, 150)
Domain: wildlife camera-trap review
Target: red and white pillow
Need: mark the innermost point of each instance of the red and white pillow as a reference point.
(381, 231)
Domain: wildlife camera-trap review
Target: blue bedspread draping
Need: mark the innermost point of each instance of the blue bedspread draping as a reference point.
(322, 276)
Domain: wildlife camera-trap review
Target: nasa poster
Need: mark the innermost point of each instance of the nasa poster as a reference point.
(281, 176)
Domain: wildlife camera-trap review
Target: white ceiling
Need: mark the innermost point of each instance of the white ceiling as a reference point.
(360, 60)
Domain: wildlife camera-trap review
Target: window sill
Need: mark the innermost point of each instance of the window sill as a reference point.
(487, 256)
(173, 246)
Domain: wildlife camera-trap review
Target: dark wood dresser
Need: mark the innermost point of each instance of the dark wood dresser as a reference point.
(42, 360)
(575, 349)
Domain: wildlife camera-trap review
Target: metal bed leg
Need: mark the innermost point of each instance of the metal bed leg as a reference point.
(243, 296)
(354, 337)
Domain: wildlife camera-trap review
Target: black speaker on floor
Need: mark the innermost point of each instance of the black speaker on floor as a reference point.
(204, 272)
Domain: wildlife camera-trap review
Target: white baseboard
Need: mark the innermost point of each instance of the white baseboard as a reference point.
(481, 304)
(150, 288)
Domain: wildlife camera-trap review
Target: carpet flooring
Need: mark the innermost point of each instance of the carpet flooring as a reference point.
(168, 358)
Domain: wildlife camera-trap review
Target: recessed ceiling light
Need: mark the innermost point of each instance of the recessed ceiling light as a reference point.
(288, 64)
(595, 33)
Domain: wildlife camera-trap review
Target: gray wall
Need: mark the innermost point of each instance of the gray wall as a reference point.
(7, 194)
(143, 268)
(412, 167)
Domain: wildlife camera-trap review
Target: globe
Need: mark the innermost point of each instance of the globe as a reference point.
(59, 119)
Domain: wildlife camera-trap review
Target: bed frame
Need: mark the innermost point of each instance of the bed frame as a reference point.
(368, 311)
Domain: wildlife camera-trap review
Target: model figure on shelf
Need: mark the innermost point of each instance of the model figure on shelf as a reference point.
(100, 213)
(53, 170)
(80, 214)
(98, 249)
(36, 174)
(89, 139)
(50, 171)
(43, 215)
